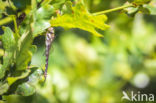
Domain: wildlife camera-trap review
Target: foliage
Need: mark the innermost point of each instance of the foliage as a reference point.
(144, 6)
(79, 17)
(19, 74)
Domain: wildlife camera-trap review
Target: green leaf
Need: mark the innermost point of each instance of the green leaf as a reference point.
(3, 88)
(45, 12)
(9, 45)
(35, 77)
(23, 60)
(25, 89)
(25, 84)
(40, 26)
(81, 18)
(42, 17)
(24, 55)
(131, 10)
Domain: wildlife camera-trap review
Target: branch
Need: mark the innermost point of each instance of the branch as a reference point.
(114, 9)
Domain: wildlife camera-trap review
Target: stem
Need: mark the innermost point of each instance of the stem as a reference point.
(6, 20)
(114, 9)
(15, 24)
(15, 27)
(9, 19)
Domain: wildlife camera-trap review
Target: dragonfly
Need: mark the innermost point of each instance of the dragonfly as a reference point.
(50, 36)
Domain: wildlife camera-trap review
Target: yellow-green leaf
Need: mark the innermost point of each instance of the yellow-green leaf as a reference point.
(82, 19)
(11, 80)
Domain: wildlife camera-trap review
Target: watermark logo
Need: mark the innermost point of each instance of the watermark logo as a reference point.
(138, 96)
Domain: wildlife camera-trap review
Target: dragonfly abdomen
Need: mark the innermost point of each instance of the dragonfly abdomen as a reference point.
(49, 39)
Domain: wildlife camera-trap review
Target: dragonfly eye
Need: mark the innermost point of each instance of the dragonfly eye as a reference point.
(51, 30)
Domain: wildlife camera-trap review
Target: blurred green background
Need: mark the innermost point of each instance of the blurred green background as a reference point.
(87, 69)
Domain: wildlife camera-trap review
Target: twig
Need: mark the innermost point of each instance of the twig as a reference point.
(114, 9)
